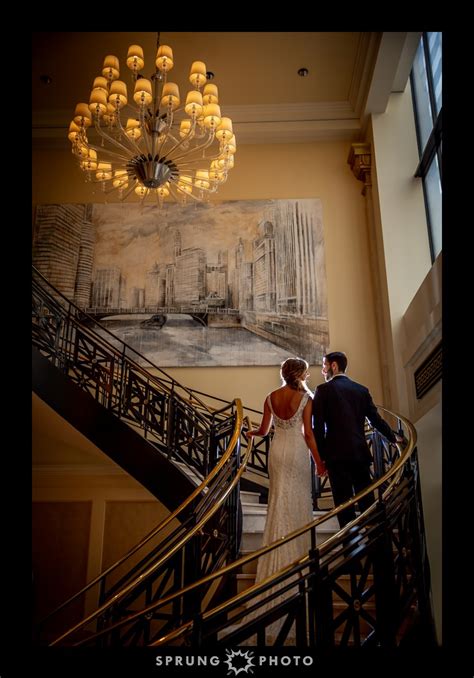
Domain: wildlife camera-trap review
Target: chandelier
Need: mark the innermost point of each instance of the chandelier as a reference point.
(155, 147)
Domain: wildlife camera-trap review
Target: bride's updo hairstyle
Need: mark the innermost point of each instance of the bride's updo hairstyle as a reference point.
(293, 372)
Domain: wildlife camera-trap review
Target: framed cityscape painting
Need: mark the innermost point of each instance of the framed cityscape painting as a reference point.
(208, 284)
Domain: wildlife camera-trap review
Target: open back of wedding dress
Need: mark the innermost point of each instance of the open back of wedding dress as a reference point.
(289, 505)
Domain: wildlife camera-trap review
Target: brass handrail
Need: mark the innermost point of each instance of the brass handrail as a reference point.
(166, 521)
(395, 471)
(265, 549)
(190, 533)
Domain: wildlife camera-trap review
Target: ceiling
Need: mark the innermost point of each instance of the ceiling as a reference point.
(350, 74)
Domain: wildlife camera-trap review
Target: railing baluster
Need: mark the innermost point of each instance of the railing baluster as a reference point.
(170, 423)
(384, 583)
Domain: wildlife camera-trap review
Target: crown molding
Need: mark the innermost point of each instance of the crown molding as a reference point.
(262, 123)
(296, 131)
(324, 110)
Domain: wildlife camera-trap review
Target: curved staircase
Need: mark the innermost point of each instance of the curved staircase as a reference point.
(197, 586)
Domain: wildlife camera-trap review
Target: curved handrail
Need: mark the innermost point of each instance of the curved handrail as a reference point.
(165, 522)
(393, 471)
(179, 545)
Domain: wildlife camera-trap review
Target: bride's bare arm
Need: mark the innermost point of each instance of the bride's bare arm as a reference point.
(265, 424)
(311, 440)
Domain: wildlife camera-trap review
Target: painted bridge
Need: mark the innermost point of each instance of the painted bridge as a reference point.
(200, 313)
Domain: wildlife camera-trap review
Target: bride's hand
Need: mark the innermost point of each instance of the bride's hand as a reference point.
(321, 469)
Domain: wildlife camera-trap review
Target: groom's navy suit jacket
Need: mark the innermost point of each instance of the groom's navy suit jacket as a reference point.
(340, 407)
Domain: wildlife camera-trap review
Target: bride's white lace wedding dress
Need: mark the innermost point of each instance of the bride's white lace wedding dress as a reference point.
(289, 503)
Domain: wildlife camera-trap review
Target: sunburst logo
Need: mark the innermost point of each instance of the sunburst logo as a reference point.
(248, 656)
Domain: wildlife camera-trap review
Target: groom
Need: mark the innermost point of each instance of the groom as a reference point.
(340, 407)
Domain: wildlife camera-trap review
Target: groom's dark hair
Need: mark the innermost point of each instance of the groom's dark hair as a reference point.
(339, 358)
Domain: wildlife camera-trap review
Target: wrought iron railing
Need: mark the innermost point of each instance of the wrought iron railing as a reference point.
(319, 609)
(188, 430)
(388, 538)
(171, 416)
(369, 608)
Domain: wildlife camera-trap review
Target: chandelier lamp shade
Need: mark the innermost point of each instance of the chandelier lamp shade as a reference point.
(149, 141)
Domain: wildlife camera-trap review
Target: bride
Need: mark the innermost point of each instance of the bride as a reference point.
(289, 469)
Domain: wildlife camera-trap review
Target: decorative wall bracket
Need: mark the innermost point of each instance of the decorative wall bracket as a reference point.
(360, 160)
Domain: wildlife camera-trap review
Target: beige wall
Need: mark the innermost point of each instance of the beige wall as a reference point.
(72, 509)
(412, 301)
(56, 442)
(277, 171)
(402, 221)
(60, 544)
(422, 333)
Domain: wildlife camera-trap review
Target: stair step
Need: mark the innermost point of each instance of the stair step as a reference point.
(247, 497)
(365, 629)
(326, 502)
(228, 629)
(193, 475)
(248, 568)
(249, 508)
(255, 515)
(252, 640)
(252, 540)
(246, 579)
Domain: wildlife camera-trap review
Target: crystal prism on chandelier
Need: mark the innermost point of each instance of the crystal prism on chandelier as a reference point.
(156, 148)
